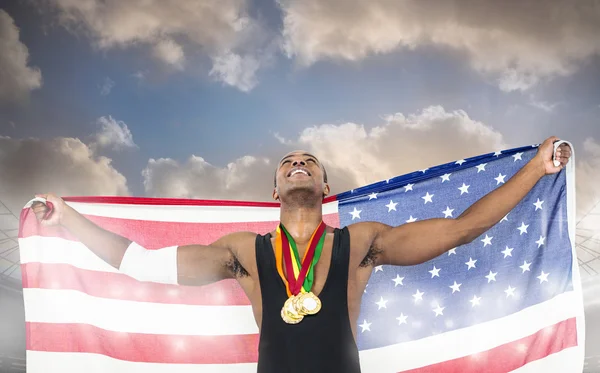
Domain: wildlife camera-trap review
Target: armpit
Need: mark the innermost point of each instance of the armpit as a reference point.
(235, 267)
(371, 257)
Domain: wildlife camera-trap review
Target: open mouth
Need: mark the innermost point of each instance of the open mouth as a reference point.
(297, 171)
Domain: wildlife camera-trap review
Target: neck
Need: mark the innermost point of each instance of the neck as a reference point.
(301, 222)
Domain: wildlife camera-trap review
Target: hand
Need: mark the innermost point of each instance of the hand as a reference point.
(544, 154)
(58, 209)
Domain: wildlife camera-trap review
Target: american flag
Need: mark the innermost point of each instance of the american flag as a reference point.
(509, 301)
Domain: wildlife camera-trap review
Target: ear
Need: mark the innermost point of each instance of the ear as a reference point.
(275, 194)
(326, 190)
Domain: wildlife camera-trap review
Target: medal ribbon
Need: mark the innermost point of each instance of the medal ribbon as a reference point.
(300, 274)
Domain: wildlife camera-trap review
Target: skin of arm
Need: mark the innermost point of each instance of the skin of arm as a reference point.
(418, 242)
(196, 264)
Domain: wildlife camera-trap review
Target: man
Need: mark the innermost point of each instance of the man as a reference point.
(304, 279)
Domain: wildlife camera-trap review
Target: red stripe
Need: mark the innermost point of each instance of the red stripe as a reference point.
(174, 201)
(149, 348)
(243, 348)
(156, 234)
(513, 355)
(122, 287)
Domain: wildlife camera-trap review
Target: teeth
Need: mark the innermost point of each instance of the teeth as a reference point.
(299, 171)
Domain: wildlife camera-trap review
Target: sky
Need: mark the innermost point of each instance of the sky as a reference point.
(200, 99)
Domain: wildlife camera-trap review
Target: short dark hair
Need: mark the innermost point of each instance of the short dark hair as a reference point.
(322, 168)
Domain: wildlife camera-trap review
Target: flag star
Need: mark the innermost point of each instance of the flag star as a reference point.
(379, 268)
(398, 280)
(541, 241)
(471, 263)
(439, 311)
(448, 212)
(510, 291)
(424, 170)
(523, 228)
(481, 167)
(543, 277)
(355, 214)
(391, 206)
(460, 162)
(427, 197)
(507, 251)
(411, 219)
(452, 251)
(505, 217)
(497, 153)
(455, 287)
(387, 181)
(401, 319)
(372, 196)
(408, 187)
(538, 205)
(487, 240)
(445, 177)
(491, 276)
(500, 178)
(525, 266)
(475, 301)
(517, 157)
(365, 326)
(418, 295)
(435, 272)
(381, 303)
(464, 189)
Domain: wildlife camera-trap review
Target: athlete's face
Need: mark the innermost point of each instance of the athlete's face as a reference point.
(300, 170)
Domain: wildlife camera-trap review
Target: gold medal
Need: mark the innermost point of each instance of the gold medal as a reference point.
(289, 313)
(309, 303)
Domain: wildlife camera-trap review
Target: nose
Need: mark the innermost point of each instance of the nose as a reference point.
(298, 162)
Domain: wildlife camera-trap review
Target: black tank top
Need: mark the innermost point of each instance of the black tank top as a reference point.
(319, 343)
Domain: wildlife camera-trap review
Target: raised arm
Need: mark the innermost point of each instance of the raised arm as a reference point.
(421, 241)
(184, 265)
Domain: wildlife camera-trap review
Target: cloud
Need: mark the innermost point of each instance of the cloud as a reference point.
(358, 156)
(515, 44)
(174, 30)
(107, 86)
(353, 154)
(113, 134)
(17, 79)
(246, 178)
(65, 166)
(235, 70)
(170, 52)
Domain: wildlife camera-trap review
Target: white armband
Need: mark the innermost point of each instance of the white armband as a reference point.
(150, 265)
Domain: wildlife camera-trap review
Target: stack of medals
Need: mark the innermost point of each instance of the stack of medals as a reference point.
(299, 274)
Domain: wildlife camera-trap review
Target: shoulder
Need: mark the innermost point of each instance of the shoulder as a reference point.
(236, 241)
(366, 232)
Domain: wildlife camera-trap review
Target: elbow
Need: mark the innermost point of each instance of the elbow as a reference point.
(467, 232)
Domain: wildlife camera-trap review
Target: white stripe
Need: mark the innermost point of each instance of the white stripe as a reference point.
(70, 306)
(73, 362)
(188, 214)
(55, 250)
(471, 340)
(563, 361)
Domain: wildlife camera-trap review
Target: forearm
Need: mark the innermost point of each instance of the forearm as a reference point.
(109, 246)
(490, 209)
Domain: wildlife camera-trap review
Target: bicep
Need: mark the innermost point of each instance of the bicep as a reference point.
(417, 242)
(201, 265)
